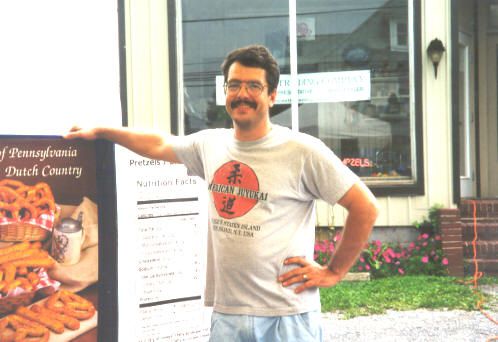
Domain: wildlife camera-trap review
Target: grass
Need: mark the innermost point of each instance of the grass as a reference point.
(353, 299)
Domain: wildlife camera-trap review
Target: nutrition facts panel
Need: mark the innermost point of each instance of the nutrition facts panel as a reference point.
(169, 250)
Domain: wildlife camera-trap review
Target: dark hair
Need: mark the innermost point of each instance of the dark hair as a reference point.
(254, 56)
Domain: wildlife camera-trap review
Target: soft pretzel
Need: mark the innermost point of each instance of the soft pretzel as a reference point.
(35, 261)
(19, 209)
(22, 330)
(70, 304)
(9, 286)
(8, 195)
(27, 212)
(25, 284)
(26, 191)
(31, 328)
(23, 202)
(22, 271)
(48, 322)
(33, 278)
(9, 271)
(9, 210)
(11, 183)
(43, 190)
(18, 254)
(68, 321)
(15, 247)
(44, 205)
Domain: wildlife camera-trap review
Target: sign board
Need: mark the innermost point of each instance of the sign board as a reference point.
(162, 227)
(44, 181)
(59, 65)
(341, 86)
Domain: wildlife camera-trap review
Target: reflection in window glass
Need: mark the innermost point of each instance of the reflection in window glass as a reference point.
(371, 135)
(210, 30)
(354, 84)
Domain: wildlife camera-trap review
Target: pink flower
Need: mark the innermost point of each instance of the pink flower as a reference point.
(400, 271)
(362, 259)
(367, 267)
(411, 245)
(360, 268)
(444, 261)
(425, 236)
(425, 244)
(425, 259)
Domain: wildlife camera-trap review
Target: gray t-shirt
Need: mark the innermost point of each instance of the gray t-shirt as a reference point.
(261, 211)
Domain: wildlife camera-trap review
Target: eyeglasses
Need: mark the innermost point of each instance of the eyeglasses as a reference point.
(252, 88)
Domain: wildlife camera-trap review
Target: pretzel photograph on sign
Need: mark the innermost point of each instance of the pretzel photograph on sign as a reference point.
(47, 185)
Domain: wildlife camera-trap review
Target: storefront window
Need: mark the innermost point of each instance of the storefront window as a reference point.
(354, 78)
(210, 29)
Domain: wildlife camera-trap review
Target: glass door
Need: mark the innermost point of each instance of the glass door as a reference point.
(466, 116)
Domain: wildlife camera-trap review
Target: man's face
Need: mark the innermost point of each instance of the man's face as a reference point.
(248, 106)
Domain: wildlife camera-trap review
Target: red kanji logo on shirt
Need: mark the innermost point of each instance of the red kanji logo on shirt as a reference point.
(235, 189)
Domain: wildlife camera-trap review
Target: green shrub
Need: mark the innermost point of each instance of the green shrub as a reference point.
(421, 257)
(424, 256)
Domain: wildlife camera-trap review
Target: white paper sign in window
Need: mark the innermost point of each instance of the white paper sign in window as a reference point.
(341, 86)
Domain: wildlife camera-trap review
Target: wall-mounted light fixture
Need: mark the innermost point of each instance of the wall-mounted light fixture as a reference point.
(435, 51)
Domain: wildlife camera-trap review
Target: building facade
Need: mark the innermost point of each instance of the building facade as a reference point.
(356, 74)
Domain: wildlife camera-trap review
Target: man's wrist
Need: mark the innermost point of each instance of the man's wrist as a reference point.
(99, 133)
(332, 268)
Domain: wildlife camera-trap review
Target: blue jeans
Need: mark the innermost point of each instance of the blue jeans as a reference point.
(305, 327)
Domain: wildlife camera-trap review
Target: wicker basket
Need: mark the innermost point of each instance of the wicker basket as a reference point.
(22, 231)
(10, 304)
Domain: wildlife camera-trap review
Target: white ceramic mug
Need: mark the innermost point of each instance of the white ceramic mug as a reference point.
(67, 239)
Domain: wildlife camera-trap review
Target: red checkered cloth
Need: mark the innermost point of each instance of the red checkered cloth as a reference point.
(45, 281)
(45, 221)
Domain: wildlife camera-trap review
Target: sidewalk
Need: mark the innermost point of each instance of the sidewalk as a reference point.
(418, 325)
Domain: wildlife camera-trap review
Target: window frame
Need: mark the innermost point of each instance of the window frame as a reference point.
(379, 188)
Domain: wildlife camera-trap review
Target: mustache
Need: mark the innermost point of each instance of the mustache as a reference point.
(235, 103)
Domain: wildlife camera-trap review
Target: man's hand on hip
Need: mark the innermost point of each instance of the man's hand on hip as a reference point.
(309, 274)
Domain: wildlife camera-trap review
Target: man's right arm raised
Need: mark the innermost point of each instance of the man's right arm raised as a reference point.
(148, 144)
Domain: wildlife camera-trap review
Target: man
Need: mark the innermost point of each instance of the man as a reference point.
(263, 181)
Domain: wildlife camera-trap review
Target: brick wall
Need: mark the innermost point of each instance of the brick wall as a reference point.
(451, 240)
(486, 243)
